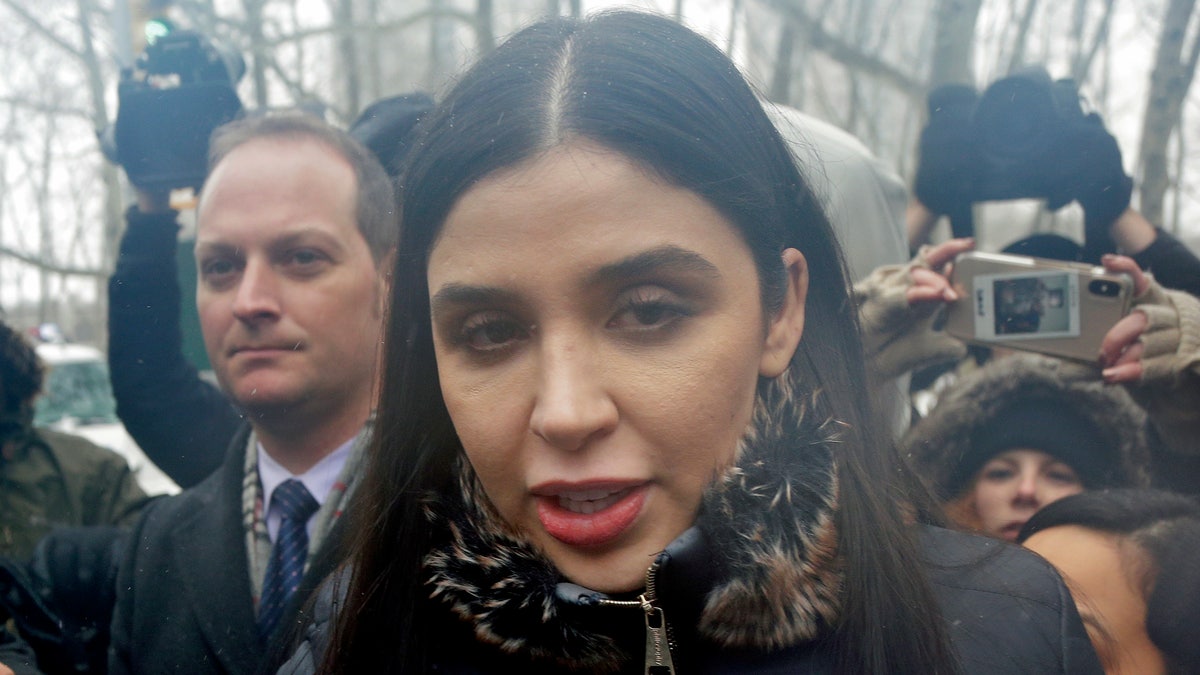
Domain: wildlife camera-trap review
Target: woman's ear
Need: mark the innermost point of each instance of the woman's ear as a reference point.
(787, 326)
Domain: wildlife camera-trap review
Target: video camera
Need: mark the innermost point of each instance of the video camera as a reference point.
(181, 89)
(1016, 123)
(998, 146)
(1026, 137)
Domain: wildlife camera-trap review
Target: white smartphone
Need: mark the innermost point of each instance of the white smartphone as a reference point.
(1034, 304)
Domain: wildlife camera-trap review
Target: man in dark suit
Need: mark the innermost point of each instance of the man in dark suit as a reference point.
(295, 225)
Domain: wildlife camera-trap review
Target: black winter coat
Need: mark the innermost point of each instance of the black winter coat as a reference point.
(184, 602)
(1006, 610)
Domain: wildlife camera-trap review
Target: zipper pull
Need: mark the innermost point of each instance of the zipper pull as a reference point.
(658, 650)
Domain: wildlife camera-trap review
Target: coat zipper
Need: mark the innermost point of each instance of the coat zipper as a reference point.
(658, 639)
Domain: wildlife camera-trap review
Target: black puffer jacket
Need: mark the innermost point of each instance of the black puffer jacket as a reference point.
(1006, 610)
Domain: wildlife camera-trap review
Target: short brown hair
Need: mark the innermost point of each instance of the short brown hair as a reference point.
(375, 198)
(20, 371)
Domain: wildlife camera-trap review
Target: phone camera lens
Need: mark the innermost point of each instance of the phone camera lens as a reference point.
(1101, 287)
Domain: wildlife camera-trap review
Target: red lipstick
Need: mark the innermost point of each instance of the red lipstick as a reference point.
(592, 515)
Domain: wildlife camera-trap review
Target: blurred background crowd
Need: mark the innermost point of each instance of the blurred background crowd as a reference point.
(928, 139)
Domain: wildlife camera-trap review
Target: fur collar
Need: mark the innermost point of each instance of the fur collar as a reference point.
(770, 522)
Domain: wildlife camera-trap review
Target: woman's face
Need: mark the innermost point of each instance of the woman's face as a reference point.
(599, 336)
(1013, 485)
(1105, 581)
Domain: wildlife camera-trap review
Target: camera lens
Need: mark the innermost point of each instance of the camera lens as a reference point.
(1102, 287)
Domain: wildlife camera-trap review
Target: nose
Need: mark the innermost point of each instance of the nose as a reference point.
(1027, 489)
(257, 296)
(572, 406)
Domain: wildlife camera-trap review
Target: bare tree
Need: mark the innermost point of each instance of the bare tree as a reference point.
(485, 30)
(1086, 51)
(253, 26)
(1017, 58)
(1170, 80)
(953, 59)
(344, 35)
(72, 94)
(783, 73)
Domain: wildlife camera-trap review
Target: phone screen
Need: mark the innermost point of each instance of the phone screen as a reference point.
(1026, 305)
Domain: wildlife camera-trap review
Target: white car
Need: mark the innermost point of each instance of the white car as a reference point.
(77, 399)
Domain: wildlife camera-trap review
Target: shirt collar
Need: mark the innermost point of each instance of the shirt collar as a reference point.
(318, 480)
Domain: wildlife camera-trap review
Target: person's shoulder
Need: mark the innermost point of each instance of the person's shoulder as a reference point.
(798, 127)
(166, 512)
(1005, 608)
(70, 443)
(972, 563)
(78, 454)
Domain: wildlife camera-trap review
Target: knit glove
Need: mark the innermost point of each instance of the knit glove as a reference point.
(897, 337)
(948, 156)
(1169, 388)
(1084, 164)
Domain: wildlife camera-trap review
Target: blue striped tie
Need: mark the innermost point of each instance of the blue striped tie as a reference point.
(286, 565)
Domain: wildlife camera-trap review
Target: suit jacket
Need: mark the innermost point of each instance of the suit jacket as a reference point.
(184, 601)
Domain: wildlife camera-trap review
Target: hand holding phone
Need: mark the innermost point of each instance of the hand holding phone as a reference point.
(1049, 306)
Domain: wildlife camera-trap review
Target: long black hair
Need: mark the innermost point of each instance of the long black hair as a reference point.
(652, 90)
(1164, 527)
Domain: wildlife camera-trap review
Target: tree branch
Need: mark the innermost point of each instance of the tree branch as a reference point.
(43, 30)
(45, 108)
(847, 54)
(1082, 65)
(51, 267)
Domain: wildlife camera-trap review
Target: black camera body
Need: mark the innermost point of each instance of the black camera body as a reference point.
(1026, 137)
(1016, 126)
(183, 88)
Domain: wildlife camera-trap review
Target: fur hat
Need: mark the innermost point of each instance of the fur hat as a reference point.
(1034, 402)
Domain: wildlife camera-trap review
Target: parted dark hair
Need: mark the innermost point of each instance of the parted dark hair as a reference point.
(1164, 528)
(650, 89)
(375, 200)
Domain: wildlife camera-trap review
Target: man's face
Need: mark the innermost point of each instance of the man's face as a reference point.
(288, 293)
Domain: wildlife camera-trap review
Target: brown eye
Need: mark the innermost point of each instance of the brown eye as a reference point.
(215, 272)
(647, 309)
(491, 331)
(997, 474)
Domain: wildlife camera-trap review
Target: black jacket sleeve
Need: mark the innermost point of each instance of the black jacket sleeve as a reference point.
(1174, 265)
(181, 422)
(17, 655)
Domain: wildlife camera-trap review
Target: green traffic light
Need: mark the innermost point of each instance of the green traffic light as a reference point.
(157, 28)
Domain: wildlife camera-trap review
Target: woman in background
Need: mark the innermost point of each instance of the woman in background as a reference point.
(1021, 433)
(624, 423)
(1129, 557)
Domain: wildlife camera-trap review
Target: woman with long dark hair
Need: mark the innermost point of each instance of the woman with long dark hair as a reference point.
(624, 424)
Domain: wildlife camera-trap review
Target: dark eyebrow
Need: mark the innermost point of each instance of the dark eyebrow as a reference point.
(642, 264)
(214, 247)
(638, 265)
(462, 294)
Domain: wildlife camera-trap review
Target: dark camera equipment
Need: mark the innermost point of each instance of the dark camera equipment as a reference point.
(1026, 136)
(1018, 119)
(995, 146)
(182, 88)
